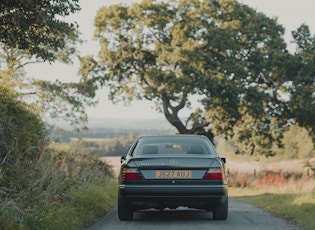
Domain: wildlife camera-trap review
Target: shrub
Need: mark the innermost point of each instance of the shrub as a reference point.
(22, 134)
(269, 178)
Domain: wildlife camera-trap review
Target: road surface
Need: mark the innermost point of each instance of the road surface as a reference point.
(242, 216)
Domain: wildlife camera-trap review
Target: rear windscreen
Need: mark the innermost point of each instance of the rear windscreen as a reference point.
(173, 146)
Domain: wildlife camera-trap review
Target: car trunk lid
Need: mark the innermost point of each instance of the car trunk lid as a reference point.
(173, 167)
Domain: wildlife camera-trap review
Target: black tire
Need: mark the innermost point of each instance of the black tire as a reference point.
(125, 211)
(220, 212)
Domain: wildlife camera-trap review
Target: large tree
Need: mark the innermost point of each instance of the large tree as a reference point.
(37, 31)
(166, 51)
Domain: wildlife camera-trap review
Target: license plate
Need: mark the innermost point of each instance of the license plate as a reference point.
(173, 174)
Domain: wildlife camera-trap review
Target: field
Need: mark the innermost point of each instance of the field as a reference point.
(114, 162)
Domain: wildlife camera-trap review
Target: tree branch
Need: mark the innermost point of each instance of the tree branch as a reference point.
(27, 63)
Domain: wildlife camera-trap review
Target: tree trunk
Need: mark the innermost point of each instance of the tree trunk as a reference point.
(171, 115)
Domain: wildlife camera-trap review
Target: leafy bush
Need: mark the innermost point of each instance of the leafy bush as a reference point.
(22, 134)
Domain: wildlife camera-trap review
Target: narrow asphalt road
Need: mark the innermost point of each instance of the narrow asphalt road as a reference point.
(242, 216)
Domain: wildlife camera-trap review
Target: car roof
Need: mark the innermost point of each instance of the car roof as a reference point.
(175, 135)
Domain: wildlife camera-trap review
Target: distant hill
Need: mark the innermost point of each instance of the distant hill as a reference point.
(139, 124)
(111, 127)
(121, 124)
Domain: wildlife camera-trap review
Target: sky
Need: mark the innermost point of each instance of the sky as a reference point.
(290, 13)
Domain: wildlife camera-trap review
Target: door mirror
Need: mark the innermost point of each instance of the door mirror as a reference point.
(122, 159)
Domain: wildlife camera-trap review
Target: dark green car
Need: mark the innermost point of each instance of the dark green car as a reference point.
(172, 171)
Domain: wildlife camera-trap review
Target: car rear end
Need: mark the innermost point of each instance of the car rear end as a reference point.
(172, 173)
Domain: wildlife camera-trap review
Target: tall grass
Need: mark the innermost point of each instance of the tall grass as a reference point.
(63, 190)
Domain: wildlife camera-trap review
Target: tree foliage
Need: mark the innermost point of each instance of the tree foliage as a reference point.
(268, 97)
(230, 55)
(144, 55)
(243, 90)
(297, 144)
(167, 51)
(33, 32)
(36, 26)
(302, 76)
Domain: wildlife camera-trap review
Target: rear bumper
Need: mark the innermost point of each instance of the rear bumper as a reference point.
(206, 194)
(173, 189)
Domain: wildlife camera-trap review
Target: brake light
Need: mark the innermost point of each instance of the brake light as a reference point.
(214, 174)
(131, 174)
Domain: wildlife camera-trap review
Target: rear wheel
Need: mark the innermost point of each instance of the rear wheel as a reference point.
(220, 212)
(124, 209)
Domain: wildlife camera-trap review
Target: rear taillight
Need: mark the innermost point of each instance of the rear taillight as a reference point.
(131, 174)
(214, 174)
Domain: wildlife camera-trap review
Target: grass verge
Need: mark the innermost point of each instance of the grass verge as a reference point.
(75, 210)
(296, 208)
(62, 190)
(93, 202)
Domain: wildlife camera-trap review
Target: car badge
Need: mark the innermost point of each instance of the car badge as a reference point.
(173, 162)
